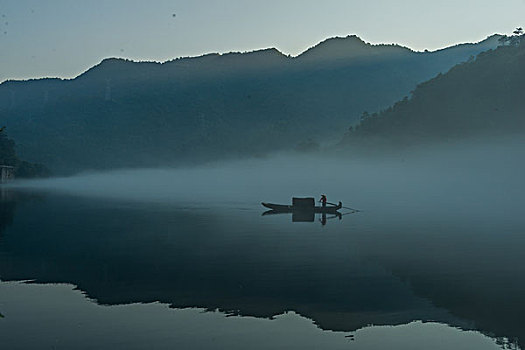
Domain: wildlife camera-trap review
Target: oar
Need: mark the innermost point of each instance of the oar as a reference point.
(356, 210)
(344, 207)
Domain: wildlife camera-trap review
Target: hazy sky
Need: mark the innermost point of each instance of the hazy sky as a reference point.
(65, 37)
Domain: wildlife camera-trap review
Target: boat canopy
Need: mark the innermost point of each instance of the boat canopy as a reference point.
(303, 202)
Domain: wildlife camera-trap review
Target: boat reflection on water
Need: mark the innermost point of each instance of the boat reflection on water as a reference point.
(306, 216)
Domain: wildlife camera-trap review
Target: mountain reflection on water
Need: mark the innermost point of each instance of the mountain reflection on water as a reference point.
(58, 317)
(366, 269)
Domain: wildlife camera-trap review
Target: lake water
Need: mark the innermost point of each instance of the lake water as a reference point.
(185, 259)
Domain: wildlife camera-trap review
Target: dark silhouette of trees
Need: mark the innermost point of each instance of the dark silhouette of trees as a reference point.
(513, 39)
(7, 150)
(9, 157)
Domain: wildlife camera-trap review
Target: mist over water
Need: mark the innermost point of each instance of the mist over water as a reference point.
(472, 179)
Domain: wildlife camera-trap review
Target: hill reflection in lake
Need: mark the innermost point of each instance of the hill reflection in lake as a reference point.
(58, 317)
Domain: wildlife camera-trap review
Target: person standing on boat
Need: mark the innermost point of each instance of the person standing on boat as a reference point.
(323, 200)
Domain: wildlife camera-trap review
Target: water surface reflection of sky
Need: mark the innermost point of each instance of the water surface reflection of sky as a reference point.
(59, 317)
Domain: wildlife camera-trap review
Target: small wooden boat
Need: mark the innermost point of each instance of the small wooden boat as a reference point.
(303, 205)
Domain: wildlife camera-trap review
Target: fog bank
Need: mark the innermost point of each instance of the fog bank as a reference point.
(465, 178)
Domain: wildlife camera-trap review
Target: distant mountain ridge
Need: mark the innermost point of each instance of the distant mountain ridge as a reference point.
(122, 113)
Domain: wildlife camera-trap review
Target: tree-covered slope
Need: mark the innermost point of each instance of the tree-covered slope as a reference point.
(483, 96)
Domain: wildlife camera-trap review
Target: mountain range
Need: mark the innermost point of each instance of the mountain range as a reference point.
(121, 113)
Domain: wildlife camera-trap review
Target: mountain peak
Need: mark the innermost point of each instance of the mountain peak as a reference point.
(349, 47)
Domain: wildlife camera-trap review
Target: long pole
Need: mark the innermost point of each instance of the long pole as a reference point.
(344, 207)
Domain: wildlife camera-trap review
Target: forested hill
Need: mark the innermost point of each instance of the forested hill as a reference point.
(123, 114)
(484, 96)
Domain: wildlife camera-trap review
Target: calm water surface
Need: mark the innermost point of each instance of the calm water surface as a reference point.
(106, 271)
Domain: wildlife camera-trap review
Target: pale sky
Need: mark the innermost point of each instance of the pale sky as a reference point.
(62, 38)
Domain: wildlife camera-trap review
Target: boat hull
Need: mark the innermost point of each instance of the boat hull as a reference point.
(332, 209)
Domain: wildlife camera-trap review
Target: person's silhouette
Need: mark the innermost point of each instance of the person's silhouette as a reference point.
(323, 200)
